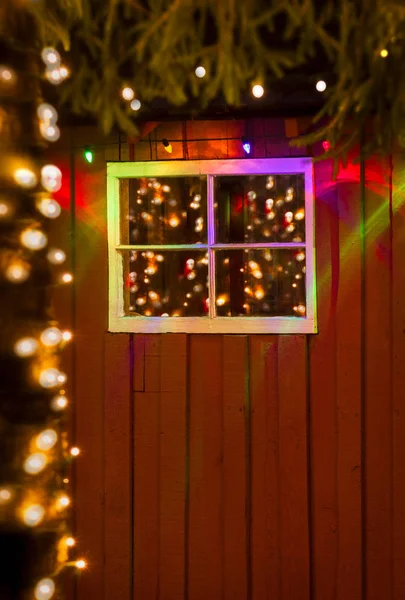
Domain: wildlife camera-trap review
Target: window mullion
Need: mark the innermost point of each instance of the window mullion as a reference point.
(211, 242)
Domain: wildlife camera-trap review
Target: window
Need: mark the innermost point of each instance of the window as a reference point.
(211, 246)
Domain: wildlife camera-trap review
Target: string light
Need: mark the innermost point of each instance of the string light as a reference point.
(17, 271)
(26, 347)
(48, 378)
(70, 542)
(51, 178)
(46, 439)
(257, 91)
(34, 239)
(50, 56)
(56, 256)
(88, 155)
(81, 564)
(246, 145)
(25, 178)
(45, 589)
(167, 145)
(50, 132)
(4, 209)
(75, 451)
(64, 72)
(321, 85)
(384, 53)
(52, 336)
(35, 463)
(59, 403)
(6, 74)
(200, 72)
(135, 104)
(47, 113)
(33, 515)
(5, 495)
(63, 501)
(50, 208)
(67, 336)
(128, 93)
(67, 277)
(53, 75)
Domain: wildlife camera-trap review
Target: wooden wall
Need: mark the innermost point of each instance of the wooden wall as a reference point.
(244, 467)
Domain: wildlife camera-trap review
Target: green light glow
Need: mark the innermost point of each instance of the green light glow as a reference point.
(88, 155)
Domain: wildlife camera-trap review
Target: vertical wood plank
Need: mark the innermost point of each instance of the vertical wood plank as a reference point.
(205, 560)
(146, 477)
(323, 418)
(265, 473)
(139, 363)
(398, 375)
(235, 417)
(172, 469)
(118, 468)
(294, 535)
(378, 410)
(349, 391)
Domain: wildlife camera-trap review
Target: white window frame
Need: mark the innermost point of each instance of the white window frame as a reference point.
(119, 322)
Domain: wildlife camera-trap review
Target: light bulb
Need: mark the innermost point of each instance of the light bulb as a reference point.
(67, 277)
(75, 451)
(63, 501)
(174, 221)
(48, 378)
(384, 53)
(25, 346)
(45, 589)
(56, 256)
(64, 72)
(81, 564)
(35, 463)
(52, 336)
(33, 239)
(62, 378)
(5, 495)
(6, 74)
(67, 336)
(70, 542)
(128, 93)
(59, 403)
(200, 72)
(135, 104)
(4, 209)
(25, 178)
(46, 439)
(300, 256)
(17, 272)
(33, 515)
(53, 75)
(299, 215)
(49, 132)
(51, 178)
(50, 56)
(321, 86)
(221, 300)
(47, 113)
(49, 208)
(257, 91)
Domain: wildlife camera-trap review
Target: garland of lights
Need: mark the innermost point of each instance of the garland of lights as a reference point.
(34, 480)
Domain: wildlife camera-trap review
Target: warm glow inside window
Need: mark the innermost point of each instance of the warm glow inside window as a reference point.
(212, 246)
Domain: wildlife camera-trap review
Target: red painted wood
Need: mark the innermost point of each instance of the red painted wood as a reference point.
(205, 513)
(265, 468)
(294, 540)
(235, 402)
(323, 416)
(348, 393)
(118, 468)
(146, 477)
(139, 363)
(378, 412)
(172, 467)
(398, 377)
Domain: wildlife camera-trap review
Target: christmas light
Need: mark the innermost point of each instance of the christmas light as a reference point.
(384, 53)
(45, 589)
(51, 178)
(17, 272)
(64, 72)
(174, 221)
(167, 145)
(50, 208)
(67, 278)
(81, 564)
(50, 132)
(56, 256)
(200, 72)
(135, 104)
(6, 74)
(47, 113)
(246, 145)
(257, 91)
(51, 57)
(4, 209)
(35, 463)
(67, 336)
(33, 515)
(59, 403)
(46, 439)
(63, 501)
(25, 178)
(48, 378)
(326, 145)
(5, 495)
(26, 347)
(320, 85)
(299, 215)
(70, 542)
(52, 336)
(88, 155)
(128, 93)
(53, 75)
(33, 239)
(75, 451)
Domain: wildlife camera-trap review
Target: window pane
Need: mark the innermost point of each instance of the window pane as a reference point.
(168, 210)
(260, 208)
(260, 282)
(166, 283)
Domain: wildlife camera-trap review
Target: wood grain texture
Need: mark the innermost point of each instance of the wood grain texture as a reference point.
(236, 517)
(349, 392)
(265, 468)
(118, 542)
(377, 365)
(205, 516)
